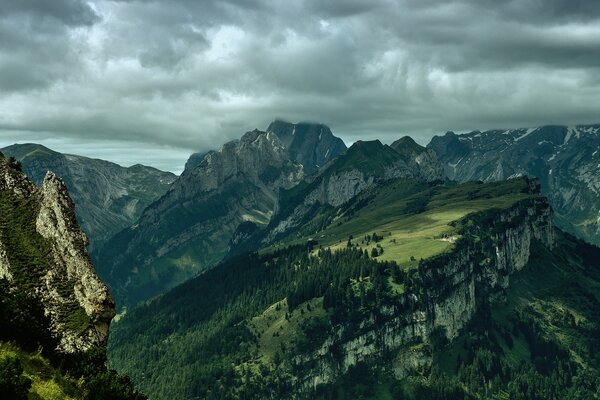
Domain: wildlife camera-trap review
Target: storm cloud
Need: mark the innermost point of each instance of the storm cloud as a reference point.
(153, 81)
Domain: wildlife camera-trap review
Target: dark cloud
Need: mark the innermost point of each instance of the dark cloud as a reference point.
(68, 12)
(193, 74)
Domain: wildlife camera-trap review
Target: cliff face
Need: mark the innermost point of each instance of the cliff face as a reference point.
(109, 197)
(190, 228)
(43, 252)
(312, 145)
(564, 159)
(453, 286)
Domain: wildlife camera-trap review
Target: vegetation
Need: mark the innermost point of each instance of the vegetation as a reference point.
(259, 311)
(30, 365)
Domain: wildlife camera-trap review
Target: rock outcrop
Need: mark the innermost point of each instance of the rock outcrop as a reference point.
(564, 159)
(452, 287)
(43, 251)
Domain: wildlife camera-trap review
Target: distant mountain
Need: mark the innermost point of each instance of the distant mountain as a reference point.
(362, 166)
(565, 159)
(189, 229)
(312, 145)
(54, 310)
(108, 197)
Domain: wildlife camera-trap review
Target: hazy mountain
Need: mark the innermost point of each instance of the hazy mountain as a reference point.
(54, 310)
(565, 159)
(310, 144)
(108, 197)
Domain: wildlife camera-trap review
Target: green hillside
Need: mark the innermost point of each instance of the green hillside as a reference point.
(238, 330)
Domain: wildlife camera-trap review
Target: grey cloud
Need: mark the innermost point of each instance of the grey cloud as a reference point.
(193, 74)
(68, 12)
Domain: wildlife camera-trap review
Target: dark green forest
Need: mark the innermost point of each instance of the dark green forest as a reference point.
(202, 331)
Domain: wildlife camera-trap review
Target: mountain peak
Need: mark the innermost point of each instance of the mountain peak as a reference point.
(310, 144)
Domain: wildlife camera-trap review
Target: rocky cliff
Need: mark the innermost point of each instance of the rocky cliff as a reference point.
(109, 197)
(190, 228)
(310, 144)
(451, 288)
(564, 158)
(43, 254)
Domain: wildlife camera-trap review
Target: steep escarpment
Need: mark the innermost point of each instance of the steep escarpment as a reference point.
(563, 158)
(43, 252)
(448, 291)
(108, 197)
(54, 310)
(190, 228)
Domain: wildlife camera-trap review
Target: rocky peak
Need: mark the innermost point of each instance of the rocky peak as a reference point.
(190, 228)
(254, 155)
(311, 144)
(43, 251)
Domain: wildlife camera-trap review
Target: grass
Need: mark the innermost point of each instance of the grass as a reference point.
(47, 382)
(409, 236)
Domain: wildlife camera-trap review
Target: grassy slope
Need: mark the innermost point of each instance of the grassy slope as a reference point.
(47, 382)
(408, 236)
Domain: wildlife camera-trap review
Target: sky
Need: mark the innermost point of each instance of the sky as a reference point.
(153, 81)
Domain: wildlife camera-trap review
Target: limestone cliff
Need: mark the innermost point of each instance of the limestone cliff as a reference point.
(450, 289)
(43, 252)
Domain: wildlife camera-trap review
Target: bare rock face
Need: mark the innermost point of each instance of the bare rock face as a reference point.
(73, 297)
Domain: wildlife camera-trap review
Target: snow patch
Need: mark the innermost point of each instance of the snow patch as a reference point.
(527, 133)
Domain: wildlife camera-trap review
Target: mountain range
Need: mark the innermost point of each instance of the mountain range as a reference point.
(285, 265)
